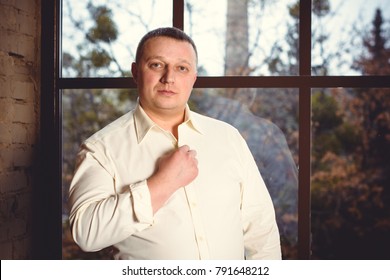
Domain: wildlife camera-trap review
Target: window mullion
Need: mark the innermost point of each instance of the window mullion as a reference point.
(178, 14)
(304, 131)
(47, 222)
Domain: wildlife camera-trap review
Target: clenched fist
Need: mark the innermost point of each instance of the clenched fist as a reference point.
(174, 170)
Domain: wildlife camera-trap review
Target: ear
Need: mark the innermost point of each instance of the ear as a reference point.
(195, 77)
(134, 71)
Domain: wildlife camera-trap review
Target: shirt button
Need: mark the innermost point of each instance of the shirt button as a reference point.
(193, 204)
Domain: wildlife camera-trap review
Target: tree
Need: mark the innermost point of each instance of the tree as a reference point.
(267, 142)
(350, 128)
(96, 51)
(237, 48)
(237, 38)
(86, 111)
(350, 194)
(374, 104)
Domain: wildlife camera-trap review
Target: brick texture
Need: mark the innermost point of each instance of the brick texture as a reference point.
(19, 122)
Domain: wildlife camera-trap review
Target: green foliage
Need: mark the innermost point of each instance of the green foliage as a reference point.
(351, 133)
(321, 7)
(332, 130)
(104, 28)
(350, 167)
(350, 136)
(294, 10)
(96, 52)
(86, 111)
(375, 59)
(100, 58)
(325, 112)
(348, 212)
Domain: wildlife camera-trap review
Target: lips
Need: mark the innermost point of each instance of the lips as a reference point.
(166, 92)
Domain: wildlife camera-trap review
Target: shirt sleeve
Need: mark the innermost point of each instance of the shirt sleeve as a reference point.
(100, 216)
(261, 234)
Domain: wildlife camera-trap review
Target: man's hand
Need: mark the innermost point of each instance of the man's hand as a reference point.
(174, 170)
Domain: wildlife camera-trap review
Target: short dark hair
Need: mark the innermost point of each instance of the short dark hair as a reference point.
(170, 32)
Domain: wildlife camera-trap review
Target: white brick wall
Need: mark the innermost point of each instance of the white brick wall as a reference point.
(19, 122)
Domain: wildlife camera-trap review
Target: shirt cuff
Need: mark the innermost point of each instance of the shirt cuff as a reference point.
(142, 204)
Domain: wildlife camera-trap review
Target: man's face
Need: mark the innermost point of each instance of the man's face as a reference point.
(165, 75)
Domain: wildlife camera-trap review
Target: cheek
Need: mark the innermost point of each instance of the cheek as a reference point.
(149, 79)
(189, 83)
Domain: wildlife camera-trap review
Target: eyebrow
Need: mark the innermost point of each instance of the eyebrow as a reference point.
(163, 58)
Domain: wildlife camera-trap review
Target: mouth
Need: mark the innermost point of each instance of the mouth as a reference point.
(165, 92)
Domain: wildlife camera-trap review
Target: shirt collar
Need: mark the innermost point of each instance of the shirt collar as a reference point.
(143, 123)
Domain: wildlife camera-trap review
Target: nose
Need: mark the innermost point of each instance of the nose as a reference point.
(168, 77)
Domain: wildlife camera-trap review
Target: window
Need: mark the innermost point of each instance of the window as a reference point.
(284, 66)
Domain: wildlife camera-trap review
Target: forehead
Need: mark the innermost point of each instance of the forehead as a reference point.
(169, 48)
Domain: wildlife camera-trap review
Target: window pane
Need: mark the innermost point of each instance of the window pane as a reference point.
(100, 39)
(346, 41)
(244, 37)
(350, 192)
(85, 112)
(268, 120)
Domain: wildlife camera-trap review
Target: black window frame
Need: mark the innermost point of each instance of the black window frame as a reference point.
(47, 222)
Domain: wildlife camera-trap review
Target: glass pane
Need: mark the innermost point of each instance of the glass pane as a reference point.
(100, 39)
(268, 120)
(244, 37)
(350, 37)
(85, 112)
(350, 192)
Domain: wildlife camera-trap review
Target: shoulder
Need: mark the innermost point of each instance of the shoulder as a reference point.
(116, 129)
(218, 131)
(212, 125)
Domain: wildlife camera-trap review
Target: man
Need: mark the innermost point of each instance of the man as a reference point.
(163, 182)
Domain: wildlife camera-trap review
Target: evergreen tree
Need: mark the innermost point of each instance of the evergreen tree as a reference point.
(350, 181)
(374, 104)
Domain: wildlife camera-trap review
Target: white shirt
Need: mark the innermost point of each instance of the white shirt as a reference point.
(225, 213)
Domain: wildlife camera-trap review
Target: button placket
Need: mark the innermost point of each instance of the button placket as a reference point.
(192, 200)
(197, 222)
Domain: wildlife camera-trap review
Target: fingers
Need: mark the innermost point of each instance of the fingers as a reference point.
(192, 153)
(177, 169)
(186, 149)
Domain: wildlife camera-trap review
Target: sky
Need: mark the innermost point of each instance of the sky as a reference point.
(208, 31)
(349, 14)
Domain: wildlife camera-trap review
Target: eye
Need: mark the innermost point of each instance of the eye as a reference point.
(182, 68)
(155, 65)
